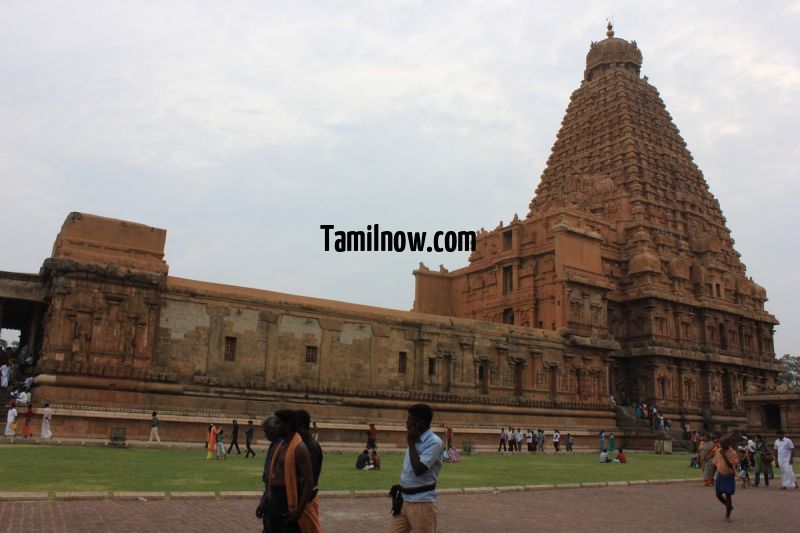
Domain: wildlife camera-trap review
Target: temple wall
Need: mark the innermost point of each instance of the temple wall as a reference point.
(276, 345)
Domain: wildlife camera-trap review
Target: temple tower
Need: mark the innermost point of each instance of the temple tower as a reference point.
(624, 245)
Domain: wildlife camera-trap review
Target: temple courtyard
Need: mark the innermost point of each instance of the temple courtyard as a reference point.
(91, 488)
(678, 507)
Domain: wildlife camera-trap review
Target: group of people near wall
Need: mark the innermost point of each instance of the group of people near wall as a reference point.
(722, 461)
(511, 440)
(15, 429)
(16, 388)
(643, 411)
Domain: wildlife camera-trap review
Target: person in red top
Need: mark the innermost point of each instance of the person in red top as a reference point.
(372, 437)
(26, 427)
(621, 457)
(725, 461)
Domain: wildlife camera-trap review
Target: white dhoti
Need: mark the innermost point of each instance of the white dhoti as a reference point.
(46, 433)
(10, 430)
(788, 477)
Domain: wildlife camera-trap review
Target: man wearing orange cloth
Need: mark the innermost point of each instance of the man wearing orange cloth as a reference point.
(291, 507)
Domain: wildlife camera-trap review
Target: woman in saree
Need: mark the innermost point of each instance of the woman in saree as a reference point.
(212, 441)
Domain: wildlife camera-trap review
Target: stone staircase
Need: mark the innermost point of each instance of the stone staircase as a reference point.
(626, 418)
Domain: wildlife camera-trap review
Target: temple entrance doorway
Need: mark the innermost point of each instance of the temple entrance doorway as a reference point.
(772, 417)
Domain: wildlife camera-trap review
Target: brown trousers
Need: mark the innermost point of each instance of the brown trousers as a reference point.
(416, 518)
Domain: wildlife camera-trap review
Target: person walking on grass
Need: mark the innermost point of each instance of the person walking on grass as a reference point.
(725, 461)
(154, 428)
(556, 441)
(235, 438)
(212, 441)
(221, 444)
(249, 432)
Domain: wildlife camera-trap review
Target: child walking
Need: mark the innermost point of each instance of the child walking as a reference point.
(221, 445)
(745, 464)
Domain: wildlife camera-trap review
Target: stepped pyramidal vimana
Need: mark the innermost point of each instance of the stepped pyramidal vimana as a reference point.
(621, 280)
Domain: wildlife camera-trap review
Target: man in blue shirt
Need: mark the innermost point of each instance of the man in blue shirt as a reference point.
(421, 465)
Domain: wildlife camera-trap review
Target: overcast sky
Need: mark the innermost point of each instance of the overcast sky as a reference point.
(240, 127)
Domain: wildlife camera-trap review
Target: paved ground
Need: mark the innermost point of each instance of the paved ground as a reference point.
(679, 508)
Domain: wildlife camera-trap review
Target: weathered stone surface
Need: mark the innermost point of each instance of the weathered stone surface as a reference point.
(126, 495)
(534, 488)
(479, 490)
(192, 495)
(23, 496)
(96, 495)
(335, 494)
(597, 485)
(233, 494)
(369, 493)
(513, 488)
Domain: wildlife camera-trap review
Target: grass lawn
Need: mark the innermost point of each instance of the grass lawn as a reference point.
(65, 468)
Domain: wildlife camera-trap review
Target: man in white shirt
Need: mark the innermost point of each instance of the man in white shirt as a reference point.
(529, 440)
(604, 457)
(783, 452)
(11, 418)
(556, 439)
(519, 437)
(22, 398)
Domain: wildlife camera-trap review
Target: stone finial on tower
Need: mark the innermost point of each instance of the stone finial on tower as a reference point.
(610, 29)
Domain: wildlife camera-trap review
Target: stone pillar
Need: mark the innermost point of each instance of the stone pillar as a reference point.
(36, 314)
(447, 363)
(784, 416)
(704, 329)
(649, 329)
(419, 363)
(740, 331)
(553, 371)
